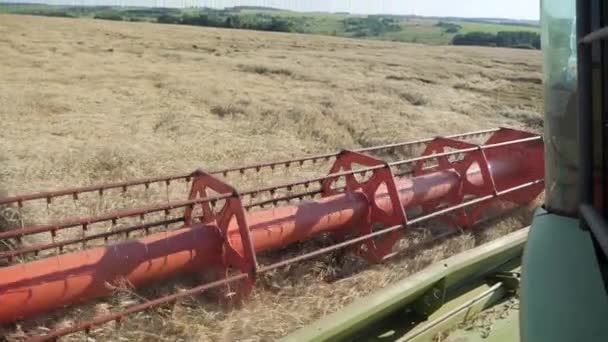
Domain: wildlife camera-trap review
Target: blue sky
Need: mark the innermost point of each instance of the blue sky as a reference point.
(515, 9)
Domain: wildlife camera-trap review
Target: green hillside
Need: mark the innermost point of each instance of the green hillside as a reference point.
(385, 27)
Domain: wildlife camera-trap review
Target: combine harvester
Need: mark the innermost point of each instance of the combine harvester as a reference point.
(558, 266)
(364, 202)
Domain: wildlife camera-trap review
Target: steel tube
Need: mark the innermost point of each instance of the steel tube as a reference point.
(37, 287)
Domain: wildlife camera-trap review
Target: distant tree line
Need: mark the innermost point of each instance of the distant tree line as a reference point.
(224, 19)
(528, 23)
(511, 39)
(54, 14)
(253, 8)
(370, 26)
(108, 16)
(448, 27)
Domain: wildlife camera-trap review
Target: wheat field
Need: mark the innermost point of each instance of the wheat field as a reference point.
(83, 101)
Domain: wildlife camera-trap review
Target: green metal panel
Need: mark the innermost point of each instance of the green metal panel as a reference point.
(458, 310)
(502, 330)
(456, 271)
(563, 297)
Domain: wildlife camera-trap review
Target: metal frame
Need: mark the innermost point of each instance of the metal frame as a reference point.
(505, 141)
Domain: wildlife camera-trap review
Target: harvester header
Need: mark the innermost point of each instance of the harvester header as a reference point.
(361, 198)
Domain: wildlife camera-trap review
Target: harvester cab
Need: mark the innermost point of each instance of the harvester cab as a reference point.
(563, 290)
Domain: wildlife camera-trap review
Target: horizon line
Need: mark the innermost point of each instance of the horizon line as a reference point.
(67, 4)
